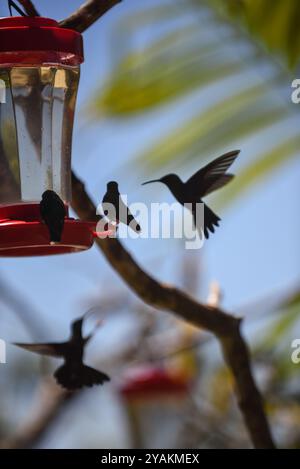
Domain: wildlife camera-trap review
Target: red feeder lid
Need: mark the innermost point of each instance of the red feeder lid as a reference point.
(22, 233)
(149, 381)
(37, 40)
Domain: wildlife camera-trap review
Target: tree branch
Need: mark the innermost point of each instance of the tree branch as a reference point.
(82, 18)
(29, 8)
(48, 405)
(224, 326)
(87, 14)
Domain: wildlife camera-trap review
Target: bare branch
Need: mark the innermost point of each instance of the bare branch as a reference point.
(224, 326)
(49, 403)
(82, 18)
(87, 14)
(29, 7)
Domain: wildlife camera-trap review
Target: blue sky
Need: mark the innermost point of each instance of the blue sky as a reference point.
(254, 253)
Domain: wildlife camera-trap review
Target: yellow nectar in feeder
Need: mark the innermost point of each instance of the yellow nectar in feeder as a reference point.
(39, 71)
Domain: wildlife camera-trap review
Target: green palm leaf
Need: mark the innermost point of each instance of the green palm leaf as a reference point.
(191, 57)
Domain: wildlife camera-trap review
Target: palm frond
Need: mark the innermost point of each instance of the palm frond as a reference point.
(208, 50)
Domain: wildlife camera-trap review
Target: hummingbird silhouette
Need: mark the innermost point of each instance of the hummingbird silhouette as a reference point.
(53, 212)
(120, 212)
(209, 178)
(73, 374)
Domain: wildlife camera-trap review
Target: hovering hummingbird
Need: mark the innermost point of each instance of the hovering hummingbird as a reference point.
(53, 212)
(73, 374)
(121, 213)
(209, 178)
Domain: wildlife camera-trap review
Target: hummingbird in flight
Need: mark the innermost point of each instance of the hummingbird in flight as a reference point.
(206, 180)
(53, 212)
(115, 209)
(73, 374)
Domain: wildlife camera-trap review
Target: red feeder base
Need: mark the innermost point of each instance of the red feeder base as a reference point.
(22, 233)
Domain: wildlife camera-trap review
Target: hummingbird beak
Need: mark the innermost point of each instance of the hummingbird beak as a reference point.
(150, 182)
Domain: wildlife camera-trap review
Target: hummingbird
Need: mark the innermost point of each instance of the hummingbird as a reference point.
(120, 213)
(73, 374)
(53, 212)
(206, 180)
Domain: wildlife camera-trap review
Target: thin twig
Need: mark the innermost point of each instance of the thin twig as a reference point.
(29, 7)
(223, 325)
(82, 18)
(50, 401)
(87, 14)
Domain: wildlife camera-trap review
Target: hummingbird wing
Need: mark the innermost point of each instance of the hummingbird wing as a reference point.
(212, 176)
(92, 333)
(127, 218)
(221, 182)
(50, 349)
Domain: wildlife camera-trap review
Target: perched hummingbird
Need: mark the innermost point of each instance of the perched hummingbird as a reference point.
(121, 213)
(213, 176)
(73, 374)
(53, 212)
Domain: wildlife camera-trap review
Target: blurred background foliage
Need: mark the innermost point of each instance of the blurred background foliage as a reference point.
(244, 54)
(204, 43)
(216, 75)
(274, 23)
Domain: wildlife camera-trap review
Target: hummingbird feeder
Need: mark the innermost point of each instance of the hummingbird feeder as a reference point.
(39, 76)
(155, 400)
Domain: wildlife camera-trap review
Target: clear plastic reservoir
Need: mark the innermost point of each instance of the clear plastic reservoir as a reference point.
(36, 122)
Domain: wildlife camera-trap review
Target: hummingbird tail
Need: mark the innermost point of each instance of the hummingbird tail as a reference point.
(210, 221)
(72, 378)
(55, 235)
(92, 376)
